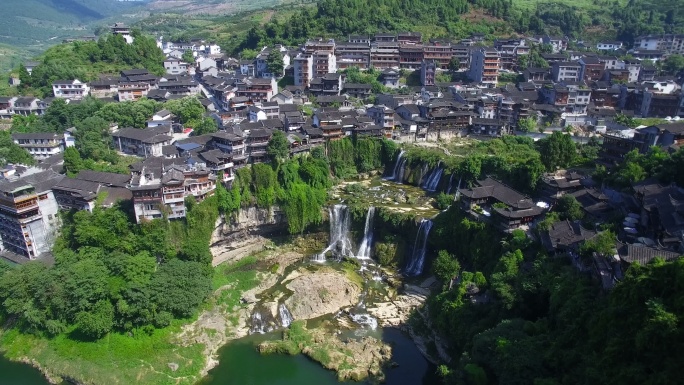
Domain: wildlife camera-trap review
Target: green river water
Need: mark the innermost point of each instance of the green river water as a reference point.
(241, 364)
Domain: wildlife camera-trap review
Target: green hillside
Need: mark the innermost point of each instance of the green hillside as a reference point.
(32, 24)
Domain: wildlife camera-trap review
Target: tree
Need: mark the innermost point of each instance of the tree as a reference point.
(274, 63)
(278, 147)
(97, 322)
(454, 64)
(569, 208)
(24, 76)
(557, 150)
(528, 124)
(72, 161)
(446, 266)
(205, 126)
(626, 121)
(10, 152)
(188, 57)
(673, 64)
(602, 244)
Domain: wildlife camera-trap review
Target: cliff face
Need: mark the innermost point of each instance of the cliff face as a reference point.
(243, 233)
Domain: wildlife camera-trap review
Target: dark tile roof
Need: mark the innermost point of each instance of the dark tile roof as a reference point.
(643, 254)
(36, 135)
(565, 235)
(104, 178)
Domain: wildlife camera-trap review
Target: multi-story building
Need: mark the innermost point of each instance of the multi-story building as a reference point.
(131, 91)
(83, 191)
(352, 55)
(29, 106)
(70, 89)
(384, 54)
(123, 30)
(592, 68)
(232, 145)
(409, 37)
(566, 71)
(28, 213)
(175, 66)
(439, 53)
(428, 70)
(410, 56)
(382, 116)
(669, 43)
(303, 70)
(159, 187)
(40, 145)
(324, 62)
(257, 90)
(145, 143)
(484, 66)
(462, 53)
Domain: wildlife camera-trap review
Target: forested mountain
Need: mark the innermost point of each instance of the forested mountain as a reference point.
(459, 18)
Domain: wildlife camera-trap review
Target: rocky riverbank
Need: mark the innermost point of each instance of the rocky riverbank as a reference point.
(352, 359)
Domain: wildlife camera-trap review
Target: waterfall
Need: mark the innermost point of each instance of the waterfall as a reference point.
(433, 181)
(397, 164)
(339, 234)
(367, 243)
(365, 320)
(422, 174)
(415, 265)
(285, 315)
(458, 192)
(258, 324)
(402, 167)
(451, 180)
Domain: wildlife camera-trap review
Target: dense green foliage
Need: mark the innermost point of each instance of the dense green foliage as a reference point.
(514, 316)
(111, 274)
(636, 167)
(350, 156)
(85, 61)
(10, 152)
(557, 151)
(444, 18)
(92, 118)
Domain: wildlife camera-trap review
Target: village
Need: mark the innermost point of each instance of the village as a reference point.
(583, 93)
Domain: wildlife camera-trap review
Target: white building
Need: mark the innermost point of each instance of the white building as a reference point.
(145, 143)
(40, 145)
(70, 89)
(303, 70)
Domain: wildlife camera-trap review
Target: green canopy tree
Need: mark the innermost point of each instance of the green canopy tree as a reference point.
(274, 63)
(278, 148)
(557, 151)
(188, 57)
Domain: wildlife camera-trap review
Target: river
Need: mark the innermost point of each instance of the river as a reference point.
(15, 373)
(241, 364)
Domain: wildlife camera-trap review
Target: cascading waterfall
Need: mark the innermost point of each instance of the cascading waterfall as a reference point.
(433, 181)
(451, 180)
(424, 171)
(400, 173)
(367, 243)
(415, 266)
(458, 192)
(397, 164)
(285, 315)
(339, 234)
(258, 324)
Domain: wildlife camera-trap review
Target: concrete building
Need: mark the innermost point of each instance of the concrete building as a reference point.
(28, 213)
(145, 143)
(70, 89)
(40, 145)
(484, 66)
(303, 70)
(428, 70)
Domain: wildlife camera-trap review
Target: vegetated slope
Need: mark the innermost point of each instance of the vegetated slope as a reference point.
(214, 7)
(28, 22)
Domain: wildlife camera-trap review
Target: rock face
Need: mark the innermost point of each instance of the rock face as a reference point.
(355, 360)
(320, 293)
(243, 234)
